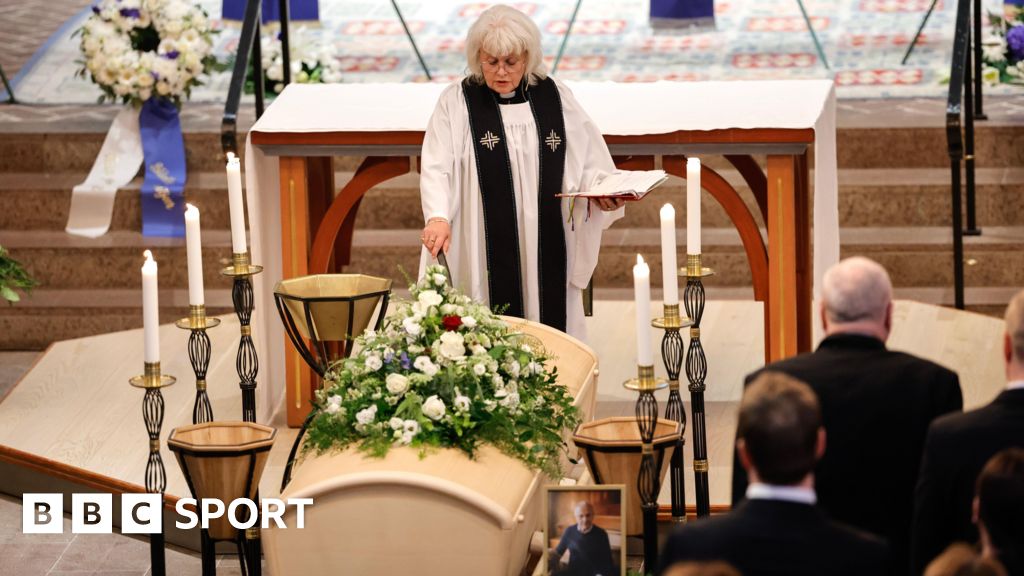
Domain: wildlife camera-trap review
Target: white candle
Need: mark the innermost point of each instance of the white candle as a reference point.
(237, 204)
(194, 251)
(150, 310)
(693, 206)
(642, 289)
(669, 274)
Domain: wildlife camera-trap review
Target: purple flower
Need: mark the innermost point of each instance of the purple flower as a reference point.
(172, 54)
(406, 363)
(95, 9)
(1015, 41)
(130, 12)
(389, 357)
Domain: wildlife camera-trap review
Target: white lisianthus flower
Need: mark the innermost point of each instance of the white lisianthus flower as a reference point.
(469, 322)
(440, 280)
(330, 76)
(396, 423)
(511, 401)
(447, 309)
(990, 75)
(478, 350)
(479, 369)
(425, 365)
(396, 383)
(333, 404)
(461, 402)
(433, 408)
(373, 363)
(411, 427)
(452, 345)
(406, 438)
(367, 415)
(412, 326)
(993, 48)
(430, 298)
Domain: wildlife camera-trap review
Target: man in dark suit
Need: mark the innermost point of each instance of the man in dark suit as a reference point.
(876, 405)
(778, 529)
(957, 447)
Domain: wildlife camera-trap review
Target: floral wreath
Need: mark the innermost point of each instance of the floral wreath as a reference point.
(135, 50)
(445, 372)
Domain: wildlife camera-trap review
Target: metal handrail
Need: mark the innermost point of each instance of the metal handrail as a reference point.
(963, 107)
(249, 44)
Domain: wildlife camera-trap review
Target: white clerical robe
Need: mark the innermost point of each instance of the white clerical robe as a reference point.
(449, 188)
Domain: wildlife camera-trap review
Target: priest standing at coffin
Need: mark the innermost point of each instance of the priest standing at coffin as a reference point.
(500, 145)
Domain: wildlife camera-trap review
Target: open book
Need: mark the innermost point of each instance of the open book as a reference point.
(625, 184)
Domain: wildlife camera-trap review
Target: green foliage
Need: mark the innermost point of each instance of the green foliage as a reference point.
(13, 277)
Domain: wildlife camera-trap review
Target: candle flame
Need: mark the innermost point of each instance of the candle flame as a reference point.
(148, 255)
(639, 259)
(190, 208)
(668, 211)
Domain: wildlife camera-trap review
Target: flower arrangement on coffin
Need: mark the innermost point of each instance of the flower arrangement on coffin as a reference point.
(309, 64)
(13, 277)
(137, 49)
(1003, 49)
(444, 372)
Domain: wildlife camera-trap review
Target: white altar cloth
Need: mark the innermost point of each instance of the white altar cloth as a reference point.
(621, 109)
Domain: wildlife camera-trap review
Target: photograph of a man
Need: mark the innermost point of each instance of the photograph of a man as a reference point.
(590, 552)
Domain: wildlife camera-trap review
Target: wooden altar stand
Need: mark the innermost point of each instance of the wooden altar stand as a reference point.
(316, 225)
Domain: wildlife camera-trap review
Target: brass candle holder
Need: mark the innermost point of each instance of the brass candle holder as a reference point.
(648, 481)
(672, 354)
(152, 381)
(696, 373)
(248, 365)
(199, 351)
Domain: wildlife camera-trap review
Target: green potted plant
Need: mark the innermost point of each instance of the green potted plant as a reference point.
(13, 277)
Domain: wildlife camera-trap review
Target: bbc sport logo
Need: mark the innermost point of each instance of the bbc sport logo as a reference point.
(143, 513)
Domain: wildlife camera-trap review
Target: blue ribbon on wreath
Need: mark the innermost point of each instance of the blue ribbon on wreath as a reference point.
(163, 187)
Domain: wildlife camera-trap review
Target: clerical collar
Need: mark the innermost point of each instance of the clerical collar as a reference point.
(516, 97)
(1015, 385)
(797, 494)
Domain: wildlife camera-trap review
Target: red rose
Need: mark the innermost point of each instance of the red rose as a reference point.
(451, 322)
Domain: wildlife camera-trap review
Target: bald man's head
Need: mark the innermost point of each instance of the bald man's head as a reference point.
(857, 297)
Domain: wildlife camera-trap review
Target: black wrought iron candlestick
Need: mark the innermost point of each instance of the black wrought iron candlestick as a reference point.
(672, 355)
(199, 351)
(648, 481)
(152, 381)
(696, 372)
(247, 364)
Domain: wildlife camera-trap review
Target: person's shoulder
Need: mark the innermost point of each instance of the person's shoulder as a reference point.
(857, 545)
(924, 366)
(794, 366)
(958, 424)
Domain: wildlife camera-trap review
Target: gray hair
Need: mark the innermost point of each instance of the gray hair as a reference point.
(856, 289)
(582, 504)
(504, 31)
(1015, 325)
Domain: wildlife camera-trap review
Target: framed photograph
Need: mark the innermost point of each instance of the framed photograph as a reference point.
(585, 530)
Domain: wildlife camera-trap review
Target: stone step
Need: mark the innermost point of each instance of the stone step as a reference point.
(867, 198)
(998, 144)
(59, 260)
(48, 315)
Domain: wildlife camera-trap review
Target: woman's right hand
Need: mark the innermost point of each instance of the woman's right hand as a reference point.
(436, 236)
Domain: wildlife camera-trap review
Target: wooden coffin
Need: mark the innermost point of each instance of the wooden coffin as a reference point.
(442, 514)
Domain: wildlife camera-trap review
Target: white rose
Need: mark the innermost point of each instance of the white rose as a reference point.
(430, 298)
(447, 309)
(332, 408)
(433, 408)
(396, 423)
(479, 369)
(469, 322)
(423, 364)
(478, 350)
(461, 403)
(452, 345)
(440, 280)
(373, 363)
(396, 383)
(412, 326)
(367, 415)
(276, 72)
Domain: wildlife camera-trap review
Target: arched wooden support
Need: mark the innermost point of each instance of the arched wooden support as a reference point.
(755, 179)
(742, 219)
(373, 171)
(634, 162)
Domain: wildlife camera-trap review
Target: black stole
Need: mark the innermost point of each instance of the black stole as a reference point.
(504, 278)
